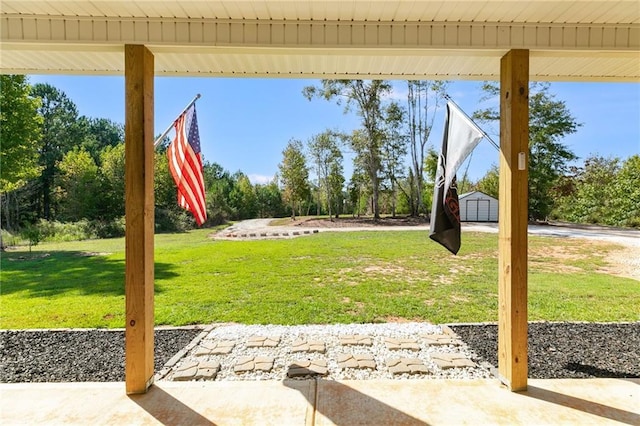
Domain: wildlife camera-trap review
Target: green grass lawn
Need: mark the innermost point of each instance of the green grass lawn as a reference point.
(324, 278)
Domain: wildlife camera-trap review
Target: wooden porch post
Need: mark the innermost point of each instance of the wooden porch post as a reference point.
(512, 246)
(139, 211)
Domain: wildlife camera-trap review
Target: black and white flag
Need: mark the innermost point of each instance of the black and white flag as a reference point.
(461, 136)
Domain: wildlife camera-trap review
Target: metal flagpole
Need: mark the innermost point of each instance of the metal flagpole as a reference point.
(495, 145)
(157, 141)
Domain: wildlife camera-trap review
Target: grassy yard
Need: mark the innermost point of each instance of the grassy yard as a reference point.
(324, 278)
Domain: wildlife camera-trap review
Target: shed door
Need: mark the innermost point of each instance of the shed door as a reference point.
(472, 211)
(477, 210)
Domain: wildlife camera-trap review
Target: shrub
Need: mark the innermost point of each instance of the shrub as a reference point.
(172, 221)
(108, 228)
(32, 234)
(54, 231)
(9, 239)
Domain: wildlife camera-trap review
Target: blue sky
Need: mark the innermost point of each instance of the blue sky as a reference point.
(246, 123)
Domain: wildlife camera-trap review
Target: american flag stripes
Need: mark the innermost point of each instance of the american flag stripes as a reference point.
(185, 164)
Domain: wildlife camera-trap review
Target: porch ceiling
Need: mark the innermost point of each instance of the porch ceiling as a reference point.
(568, 40)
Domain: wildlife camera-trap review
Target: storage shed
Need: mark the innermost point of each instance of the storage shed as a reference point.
(477, 206)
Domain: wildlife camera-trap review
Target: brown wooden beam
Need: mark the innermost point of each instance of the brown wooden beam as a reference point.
(513, 219)
(139, 211)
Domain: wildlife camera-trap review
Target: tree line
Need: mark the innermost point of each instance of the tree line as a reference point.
(63, 167)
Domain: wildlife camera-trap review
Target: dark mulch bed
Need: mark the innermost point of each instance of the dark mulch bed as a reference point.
(567, 350)
(78, 355)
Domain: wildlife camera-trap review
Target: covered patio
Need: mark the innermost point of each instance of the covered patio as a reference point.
(322, 402)
(507, 41)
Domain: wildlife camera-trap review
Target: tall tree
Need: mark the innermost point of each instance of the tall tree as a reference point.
(489, 183)
(60, 132)
(367, 96)
(294, 175)
(19, 132)
(269, 200)
(423, 100)
(243, 197)
(327, 159)
(626, 194)
(549, 121)
(98, 134)
(356, 189)
(604, 191)
(335, 188)
(394, 150)
(219, 184)
(79, 187)
(19, 143)
(112, 175)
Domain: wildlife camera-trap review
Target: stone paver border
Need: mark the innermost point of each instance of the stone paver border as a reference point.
(265, 235)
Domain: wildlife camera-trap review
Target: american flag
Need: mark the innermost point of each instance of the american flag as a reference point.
(185, 165)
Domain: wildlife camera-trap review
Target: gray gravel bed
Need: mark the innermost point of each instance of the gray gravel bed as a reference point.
(567, 350)
(78, 355)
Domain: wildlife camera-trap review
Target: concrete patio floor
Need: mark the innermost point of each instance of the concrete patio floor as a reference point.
(323, 402)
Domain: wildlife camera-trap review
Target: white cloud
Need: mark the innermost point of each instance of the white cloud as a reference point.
(261, 179)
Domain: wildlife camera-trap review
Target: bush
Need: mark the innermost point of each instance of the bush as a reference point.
(8, 239)
(109, 228)
(53, 231)
(172, 221)
(32, 234)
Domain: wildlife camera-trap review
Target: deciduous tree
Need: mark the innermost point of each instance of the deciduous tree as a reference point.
(394, 150)
(20, 132)
(327, 159)
(549, 121)
(98, 134)
(60, 132)
(78, 186)
(112, 175)
(367, 96)
(423, 100)
(490, 182)
(294, 175)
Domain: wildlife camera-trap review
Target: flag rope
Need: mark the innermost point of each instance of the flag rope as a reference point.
(157, 141)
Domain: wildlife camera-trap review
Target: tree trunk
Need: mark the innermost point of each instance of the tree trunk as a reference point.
(393, 199)
(376, 190)
(46, 196)
(329, 203)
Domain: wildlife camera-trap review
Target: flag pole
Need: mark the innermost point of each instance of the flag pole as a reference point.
(495, 145)
(157, 141)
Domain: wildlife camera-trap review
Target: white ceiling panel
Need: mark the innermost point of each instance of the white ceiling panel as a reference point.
(568, 40)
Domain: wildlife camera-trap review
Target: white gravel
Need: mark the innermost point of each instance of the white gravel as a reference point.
(330, 334)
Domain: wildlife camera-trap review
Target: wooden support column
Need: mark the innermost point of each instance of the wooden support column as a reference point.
(139, 211)
(513, 220)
